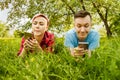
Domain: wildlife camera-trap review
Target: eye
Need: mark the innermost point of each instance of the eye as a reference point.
(87, 25)
(41, 23)
(35, 23)
(79, 26)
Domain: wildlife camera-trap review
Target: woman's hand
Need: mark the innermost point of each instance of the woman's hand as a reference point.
(32, 44)
(36, 46)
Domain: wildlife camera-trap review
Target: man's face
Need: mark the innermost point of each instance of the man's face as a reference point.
(39, 25)
(82, 26)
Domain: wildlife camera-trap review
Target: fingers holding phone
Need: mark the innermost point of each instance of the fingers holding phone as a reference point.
(36, 45)
(78, 51)
(31, 44)
(28, 44)
(81, 49)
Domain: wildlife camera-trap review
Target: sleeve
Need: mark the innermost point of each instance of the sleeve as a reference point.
(68, 41)
(21, 46)
(51, 43)
(51, 40)
(94, 42)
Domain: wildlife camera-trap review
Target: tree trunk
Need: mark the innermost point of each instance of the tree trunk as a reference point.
(82, 3)
(109, 33)
(68, 6)
(104, 19)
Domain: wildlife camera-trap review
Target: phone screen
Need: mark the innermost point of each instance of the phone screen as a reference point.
(83, 45)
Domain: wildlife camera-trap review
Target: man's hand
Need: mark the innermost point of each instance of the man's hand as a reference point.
(79, 52)
(76, 52)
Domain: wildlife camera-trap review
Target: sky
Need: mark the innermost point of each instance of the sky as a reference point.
(4, 15)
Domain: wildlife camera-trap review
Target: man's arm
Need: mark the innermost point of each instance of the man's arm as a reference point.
(71, 51)
(89, 53)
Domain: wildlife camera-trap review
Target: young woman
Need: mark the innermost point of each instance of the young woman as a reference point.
(42, 40)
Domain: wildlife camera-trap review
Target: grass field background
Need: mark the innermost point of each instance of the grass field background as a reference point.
(103, 65)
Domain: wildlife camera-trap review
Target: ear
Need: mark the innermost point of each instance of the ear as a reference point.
(46, 28)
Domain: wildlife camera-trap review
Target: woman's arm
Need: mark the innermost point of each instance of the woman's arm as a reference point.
(23, 52)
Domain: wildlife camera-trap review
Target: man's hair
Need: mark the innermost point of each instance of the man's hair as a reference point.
(82, 14)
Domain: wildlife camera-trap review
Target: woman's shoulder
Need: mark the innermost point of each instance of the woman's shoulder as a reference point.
(49, 34)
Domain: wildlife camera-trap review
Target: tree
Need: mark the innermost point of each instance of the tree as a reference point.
(61, 12)
(104, 9)
(3, 30)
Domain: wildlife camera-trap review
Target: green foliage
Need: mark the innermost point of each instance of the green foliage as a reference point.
(103, 65)
(115, 24)
(3, 30)
(18, 33)
(60, 12)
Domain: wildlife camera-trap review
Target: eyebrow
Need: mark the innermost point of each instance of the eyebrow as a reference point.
(39, 21)
(87, 24)
(83, 24)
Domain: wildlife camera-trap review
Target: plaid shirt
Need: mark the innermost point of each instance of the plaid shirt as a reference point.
(47, 41)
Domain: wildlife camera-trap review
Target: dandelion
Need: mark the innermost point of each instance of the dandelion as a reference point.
(32, 59)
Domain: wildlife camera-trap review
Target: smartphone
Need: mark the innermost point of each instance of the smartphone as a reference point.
(83, 45)
(28, 35)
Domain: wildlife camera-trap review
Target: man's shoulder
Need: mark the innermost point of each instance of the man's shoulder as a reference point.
(71, 31)
(93, 32)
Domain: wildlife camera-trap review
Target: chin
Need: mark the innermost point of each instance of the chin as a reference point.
(82, 37)
(37, 34)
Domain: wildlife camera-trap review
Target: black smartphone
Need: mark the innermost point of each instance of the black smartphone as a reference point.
(28, 35)
(83, 45)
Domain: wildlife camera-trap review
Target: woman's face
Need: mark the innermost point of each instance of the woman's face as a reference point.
(39, 26)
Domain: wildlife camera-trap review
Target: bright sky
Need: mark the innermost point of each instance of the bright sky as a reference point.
(3, 15)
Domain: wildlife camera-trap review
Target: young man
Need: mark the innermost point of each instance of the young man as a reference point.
(81, 32)
(42, 40)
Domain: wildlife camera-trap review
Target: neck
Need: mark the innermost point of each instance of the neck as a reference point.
(81, 40)
(39, 38)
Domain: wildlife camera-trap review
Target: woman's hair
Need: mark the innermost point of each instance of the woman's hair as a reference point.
(41, 15)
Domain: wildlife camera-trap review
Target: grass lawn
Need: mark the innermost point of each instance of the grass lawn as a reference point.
(103, 65)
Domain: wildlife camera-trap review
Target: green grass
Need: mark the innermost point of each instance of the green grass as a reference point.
(103, 65)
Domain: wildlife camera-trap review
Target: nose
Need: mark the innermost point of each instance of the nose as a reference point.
(37, 25)
(82, 29)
